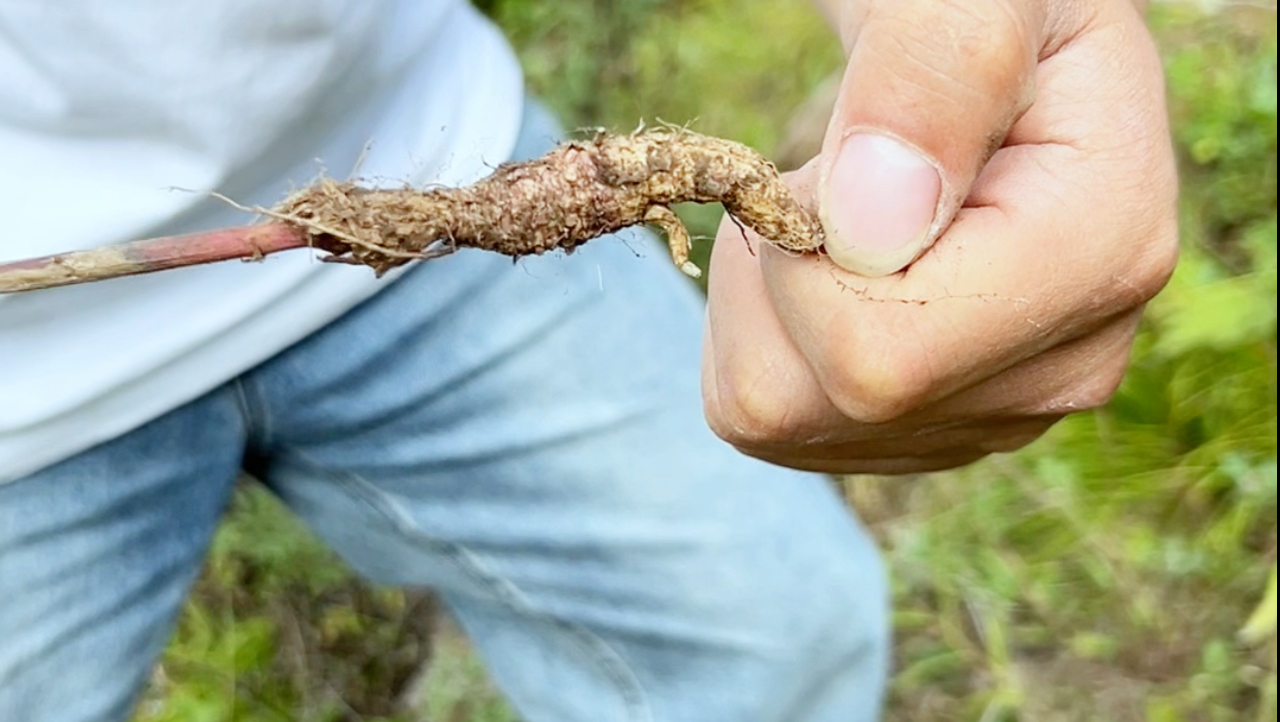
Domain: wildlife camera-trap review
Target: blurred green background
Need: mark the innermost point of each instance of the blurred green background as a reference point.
(1117, 570)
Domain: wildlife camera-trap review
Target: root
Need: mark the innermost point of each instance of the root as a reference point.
(579, 191)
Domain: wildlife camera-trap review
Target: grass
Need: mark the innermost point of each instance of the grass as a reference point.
(1110, 572)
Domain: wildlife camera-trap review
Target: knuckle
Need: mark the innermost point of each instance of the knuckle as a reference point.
(1160, 259)
(1099, 389)
(1092, 392)
(749, 413)
(985, 45)
(882, 388)
(1084, 374)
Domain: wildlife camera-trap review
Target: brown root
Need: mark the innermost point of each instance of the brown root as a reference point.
(579, 191)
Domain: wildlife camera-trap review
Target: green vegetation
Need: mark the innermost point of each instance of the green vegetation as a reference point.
(1114, 572)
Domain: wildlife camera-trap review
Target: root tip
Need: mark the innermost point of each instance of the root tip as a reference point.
(690, 270)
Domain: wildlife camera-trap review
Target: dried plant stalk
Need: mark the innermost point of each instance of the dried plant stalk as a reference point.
(149, 256)
(579, 191)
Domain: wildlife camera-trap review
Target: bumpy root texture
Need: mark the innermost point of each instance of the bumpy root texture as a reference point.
(579, 191)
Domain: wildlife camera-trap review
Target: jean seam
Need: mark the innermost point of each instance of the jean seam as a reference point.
(590, 645)
(252, 405)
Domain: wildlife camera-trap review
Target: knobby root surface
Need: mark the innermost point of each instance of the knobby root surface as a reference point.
(579, 191)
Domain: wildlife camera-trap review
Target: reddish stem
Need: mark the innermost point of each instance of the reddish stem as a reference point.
(148, 256)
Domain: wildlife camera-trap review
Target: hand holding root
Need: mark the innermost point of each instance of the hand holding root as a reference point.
(577, 192)
(1018, 166)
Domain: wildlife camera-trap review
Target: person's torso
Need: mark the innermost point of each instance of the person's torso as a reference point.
(116, 120)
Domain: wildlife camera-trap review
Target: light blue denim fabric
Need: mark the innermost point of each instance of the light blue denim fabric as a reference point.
(526, 439)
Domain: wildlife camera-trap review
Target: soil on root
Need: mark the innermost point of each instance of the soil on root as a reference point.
(579, 191)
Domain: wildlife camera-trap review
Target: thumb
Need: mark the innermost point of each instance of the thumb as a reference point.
(929, 93)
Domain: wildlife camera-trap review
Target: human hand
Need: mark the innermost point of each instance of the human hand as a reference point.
(1013, 157)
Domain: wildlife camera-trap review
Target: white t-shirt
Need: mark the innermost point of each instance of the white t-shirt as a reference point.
(108, 107)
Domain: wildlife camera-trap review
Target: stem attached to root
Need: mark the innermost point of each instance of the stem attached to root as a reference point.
(579, 191)
(154, 254)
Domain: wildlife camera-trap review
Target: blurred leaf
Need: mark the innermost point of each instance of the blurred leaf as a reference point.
(1219, 315)
(1262, 623)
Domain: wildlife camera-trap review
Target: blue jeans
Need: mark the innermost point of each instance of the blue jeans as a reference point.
(527, 440)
